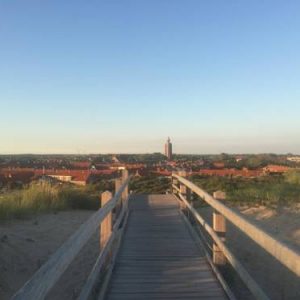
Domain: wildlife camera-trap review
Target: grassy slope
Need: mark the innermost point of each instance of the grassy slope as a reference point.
(45, 197)
(267, 190)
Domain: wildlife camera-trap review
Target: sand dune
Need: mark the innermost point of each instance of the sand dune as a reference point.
(26, 245)
(282, 223)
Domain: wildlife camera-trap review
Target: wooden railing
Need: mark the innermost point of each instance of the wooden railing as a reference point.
(281, 252)
(111, 227)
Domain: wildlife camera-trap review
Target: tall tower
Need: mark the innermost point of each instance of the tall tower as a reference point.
(168, 149)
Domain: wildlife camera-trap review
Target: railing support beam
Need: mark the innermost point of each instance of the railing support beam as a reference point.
(219, 226)
(106, 225)
(118, 208)
(182, 187)
(125, 175)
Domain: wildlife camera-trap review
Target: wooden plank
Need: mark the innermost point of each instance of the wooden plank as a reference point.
(163, 280)
(168, 294)
(165, 297)
(146, 286)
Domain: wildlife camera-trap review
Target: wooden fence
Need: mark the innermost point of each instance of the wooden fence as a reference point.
(281, 252)
(111, 228)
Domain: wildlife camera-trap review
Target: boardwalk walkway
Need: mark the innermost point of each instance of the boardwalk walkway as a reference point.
(159, 258)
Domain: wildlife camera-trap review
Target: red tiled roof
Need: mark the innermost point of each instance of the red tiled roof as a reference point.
(162, 172)
(81, 164)
(13, 176)
(219, 164)
(230, 172)
(77, 175)
(276, 168)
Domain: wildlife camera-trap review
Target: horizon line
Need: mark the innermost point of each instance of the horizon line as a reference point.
(140, 153)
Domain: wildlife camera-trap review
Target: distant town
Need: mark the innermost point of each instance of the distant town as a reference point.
(19, 170)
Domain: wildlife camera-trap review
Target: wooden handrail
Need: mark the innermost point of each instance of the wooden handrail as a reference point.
(46, 277)
(245, 276)
(280, 251)
(99, 265)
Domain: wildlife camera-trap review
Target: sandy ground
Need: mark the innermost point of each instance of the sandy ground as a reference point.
(26, 244)
(284, 225)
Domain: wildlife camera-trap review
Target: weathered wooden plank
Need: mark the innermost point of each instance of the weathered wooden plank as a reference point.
(165, 297)
(167, 274)
(169, 294)
(162, 280)
(185, 293)
(148, 287)
(162, 264)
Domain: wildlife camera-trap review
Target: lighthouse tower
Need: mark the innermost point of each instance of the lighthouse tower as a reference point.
(168, 149)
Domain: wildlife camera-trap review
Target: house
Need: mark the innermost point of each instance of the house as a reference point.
(78, 177)
(294, 159)
(275, 169)
(17, 176)
(219, 165)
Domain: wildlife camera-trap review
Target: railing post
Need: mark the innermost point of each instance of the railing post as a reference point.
(125, 193)
(182, 187)
(106, 225)
(184, 191)
(219, 226)
(189, 195)
(174, 181)
(118, 184)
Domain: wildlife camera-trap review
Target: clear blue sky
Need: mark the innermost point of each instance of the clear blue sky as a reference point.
(120, 76)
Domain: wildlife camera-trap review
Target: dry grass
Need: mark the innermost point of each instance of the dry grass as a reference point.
(42, 197)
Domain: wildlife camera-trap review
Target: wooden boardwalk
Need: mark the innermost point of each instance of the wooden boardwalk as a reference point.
(158, 258)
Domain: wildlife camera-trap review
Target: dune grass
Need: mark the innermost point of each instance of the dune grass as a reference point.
(272, 191)
(43, 197)
(150, 184)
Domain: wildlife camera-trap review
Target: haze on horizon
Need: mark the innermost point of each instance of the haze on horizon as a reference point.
(121, 76)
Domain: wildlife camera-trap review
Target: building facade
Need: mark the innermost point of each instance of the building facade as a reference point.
(168, 149)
